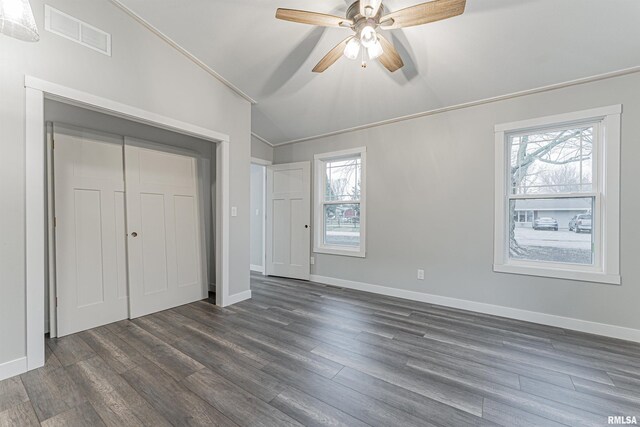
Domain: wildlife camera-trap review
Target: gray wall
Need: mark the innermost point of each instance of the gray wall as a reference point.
(257, 215)
(260, 150)
(425, 176)
(144, 72)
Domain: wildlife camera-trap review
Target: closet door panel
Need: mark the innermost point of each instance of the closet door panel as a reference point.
(165, 234)
(90, 258)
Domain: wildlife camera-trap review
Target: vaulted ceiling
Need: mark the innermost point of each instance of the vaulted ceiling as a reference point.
(496, 48)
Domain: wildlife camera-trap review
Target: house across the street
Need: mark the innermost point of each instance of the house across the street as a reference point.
(562, 210)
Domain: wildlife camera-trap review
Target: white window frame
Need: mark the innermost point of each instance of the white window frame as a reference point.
(320, 161)
(606, 191)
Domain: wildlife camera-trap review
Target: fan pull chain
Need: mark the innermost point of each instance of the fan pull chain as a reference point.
(364, 61)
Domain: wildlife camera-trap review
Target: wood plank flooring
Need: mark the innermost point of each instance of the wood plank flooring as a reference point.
(302, 353)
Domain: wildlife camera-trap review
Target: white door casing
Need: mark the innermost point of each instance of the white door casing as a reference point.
(165, 242)
(288, 220)
(91, 273)
(36, 90)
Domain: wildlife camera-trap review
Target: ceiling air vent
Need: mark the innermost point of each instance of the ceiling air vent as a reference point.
(71, 28)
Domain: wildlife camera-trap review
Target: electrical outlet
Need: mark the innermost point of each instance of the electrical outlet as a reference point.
(420, 274)
(313, 260)
(234, 211)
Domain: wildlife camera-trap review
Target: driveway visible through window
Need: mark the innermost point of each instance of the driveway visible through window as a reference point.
(550, 173)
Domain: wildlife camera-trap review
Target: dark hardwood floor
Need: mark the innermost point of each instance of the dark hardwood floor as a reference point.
(304, 353)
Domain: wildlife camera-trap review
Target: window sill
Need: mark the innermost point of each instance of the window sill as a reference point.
(340, 251)
(556, 273)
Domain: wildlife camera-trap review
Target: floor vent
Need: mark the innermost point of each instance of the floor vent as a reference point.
(71, 28)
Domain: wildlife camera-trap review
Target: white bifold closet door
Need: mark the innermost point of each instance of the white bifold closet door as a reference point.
(166, 246)
(123, 250)
(91, 260)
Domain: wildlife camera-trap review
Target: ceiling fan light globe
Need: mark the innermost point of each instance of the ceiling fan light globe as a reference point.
(368, 36)
(375, 51)
(352, 49)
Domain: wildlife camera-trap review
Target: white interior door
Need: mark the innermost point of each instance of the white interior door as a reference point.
(288, 220)
(91, 270)
(165, 235)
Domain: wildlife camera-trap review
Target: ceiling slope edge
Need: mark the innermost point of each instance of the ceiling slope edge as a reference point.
(261, 139)
(182, 50)
(541, 89)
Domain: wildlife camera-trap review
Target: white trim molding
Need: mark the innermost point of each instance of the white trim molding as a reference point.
(257, 268)
(261, 162)
(596, 78)
(606, 124)
(223, 223)
(261, 139)
(613, 331)
(239, 297)
(12, 368)
(36, 226)
(265, 164)
(182, 50)
(92, 102)
(319, 186)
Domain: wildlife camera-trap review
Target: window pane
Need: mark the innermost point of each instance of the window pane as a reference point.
(560, 230)
(552, 162)
(343, 179)
(342, 224)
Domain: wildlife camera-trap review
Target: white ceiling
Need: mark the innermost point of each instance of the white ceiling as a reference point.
(497, 47)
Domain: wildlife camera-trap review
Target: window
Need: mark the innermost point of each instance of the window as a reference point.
(340, 202)
(557, 196)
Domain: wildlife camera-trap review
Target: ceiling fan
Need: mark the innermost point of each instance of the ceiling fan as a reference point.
(364, 17)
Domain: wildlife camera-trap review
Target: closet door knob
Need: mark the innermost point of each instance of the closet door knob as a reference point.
(134, 234)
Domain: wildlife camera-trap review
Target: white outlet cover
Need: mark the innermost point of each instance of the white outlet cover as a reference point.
(420, 274)
(313, 260)
(234, 211)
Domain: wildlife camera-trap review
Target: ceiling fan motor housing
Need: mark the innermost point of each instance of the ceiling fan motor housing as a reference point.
(359, 21)
(365, 25)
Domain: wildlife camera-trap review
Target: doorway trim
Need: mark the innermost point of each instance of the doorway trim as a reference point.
(36, 220)
(264, 164)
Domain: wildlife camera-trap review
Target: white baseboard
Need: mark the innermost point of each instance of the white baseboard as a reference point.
(13, 368)
(233, 299)
(257, 268)
(613, 331)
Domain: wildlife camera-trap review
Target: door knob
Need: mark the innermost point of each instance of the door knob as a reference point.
(306, 226)
(134, 234)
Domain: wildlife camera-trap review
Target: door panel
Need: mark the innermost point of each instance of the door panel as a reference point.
(288, 219)
(89, 233)
(280, 236)
(154, 250)
(166, 264)
(299, 246)
(121, 244)
(88, 240)
(186, 240)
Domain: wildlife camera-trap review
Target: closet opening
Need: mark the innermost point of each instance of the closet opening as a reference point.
(131, 213)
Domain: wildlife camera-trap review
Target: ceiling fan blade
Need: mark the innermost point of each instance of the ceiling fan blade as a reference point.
(390, 58)
(312, 18)
(331, 57)
(424, 13)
